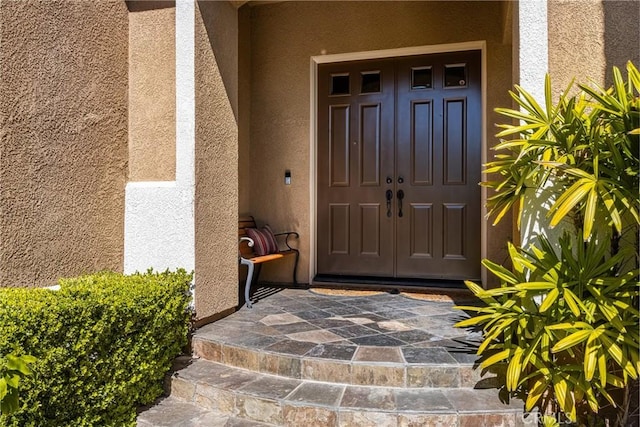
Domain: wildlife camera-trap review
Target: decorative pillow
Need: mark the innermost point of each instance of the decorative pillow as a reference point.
(264, 242)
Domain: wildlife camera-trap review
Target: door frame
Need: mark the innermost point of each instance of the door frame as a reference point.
(480, 45)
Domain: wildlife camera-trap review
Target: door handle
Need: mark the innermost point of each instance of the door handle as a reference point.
(389, 197)
(400, 197)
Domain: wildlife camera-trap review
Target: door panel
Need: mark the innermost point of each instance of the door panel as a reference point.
(421, 141)
(406, 125)
(455, 159)
(355, 155)
(339, 229)
(421, 217)
(438, 140)
(339, 145)
(454, 227)
(370, 229)
(370, 129)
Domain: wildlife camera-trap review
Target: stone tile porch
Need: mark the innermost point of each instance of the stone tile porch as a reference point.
(305, 358)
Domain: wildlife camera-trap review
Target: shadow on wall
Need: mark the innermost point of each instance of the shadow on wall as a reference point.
(621, 35)
(141, 6)
(534, 220)
(221, 22)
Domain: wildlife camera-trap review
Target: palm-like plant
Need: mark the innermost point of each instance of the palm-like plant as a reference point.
(587, 144)
(565, 320)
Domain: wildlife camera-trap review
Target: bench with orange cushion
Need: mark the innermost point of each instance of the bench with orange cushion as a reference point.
(248, 257)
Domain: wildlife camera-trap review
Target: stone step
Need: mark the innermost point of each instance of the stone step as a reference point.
(281, 401)
(412, 367)
(386, 340)
(172, 412)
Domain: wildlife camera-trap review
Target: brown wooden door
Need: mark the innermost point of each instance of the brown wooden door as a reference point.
(407, 127)
(356, 154)
(438, 159)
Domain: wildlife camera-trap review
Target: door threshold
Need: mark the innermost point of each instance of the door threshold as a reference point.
(388, 284)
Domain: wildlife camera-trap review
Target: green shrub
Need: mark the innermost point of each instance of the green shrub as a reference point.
(566, 325)
(565, 320)
(103, 344)
(12, 369)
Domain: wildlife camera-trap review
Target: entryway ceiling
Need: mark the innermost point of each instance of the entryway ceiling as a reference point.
(239, 4)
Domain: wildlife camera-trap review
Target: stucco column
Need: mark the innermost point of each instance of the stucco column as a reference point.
(159, 216)
(532, 46)
(530, 65)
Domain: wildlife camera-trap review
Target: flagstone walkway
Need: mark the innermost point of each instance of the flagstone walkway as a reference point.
(385, 328)
(300, 358)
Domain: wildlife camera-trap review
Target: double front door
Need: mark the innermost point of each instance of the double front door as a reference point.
(399, 160)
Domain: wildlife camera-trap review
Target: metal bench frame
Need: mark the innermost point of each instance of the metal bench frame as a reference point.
(248, 258)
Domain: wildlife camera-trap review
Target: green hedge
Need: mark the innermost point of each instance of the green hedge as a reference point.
(103, 342)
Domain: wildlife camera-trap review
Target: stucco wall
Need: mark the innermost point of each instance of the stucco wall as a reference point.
(216, 201)
(606, 35)
(152, 94)
(283, 38)
(159, 229)
(244, 109)
(584, 41)
(63, 121)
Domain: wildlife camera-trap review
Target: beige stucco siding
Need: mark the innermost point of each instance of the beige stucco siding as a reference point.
(216, 201)
(588, 38)
(152, 94)
(283, 38)
(244, 109)
(63, 121)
